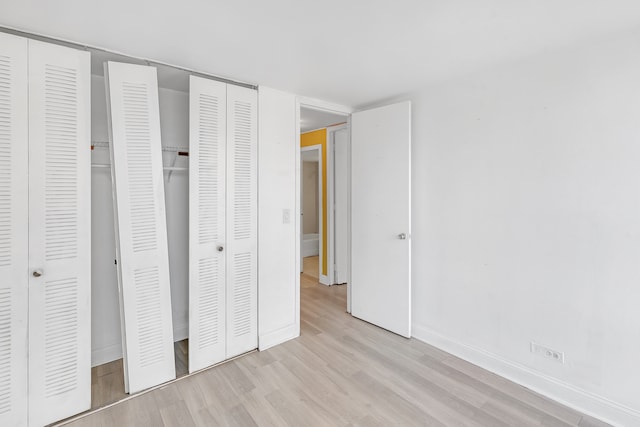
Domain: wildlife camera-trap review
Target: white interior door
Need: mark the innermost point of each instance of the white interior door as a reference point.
(59, 232)
(14, 227)
(207, 157)
(341, 204)
(381, 217)
(140, 223)
(242, 198)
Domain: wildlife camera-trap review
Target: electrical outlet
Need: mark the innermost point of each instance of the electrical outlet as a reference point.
(547, 352)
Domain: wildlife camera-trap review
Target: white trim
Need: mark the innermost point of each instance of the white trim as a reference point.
(317, 104)
(297, 219)
(107, 354)
(574, 397)
(323, 279)
(331, 241)
(349, 218)
(331, 233)
(278, 336)
(180, 332)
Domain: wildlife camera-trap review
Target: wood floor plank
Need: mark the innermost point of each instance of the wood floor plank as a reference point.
(512, 390)
(176, 414)
(341, 371)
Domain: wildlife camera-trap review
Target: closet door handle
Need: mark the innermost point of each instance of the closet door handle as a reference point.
(220, 248)
(37, 273)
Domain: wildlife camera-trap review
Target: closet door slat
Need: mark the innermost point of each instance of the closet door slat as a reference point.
(207, 151)
(140, 223)
(59, 232)
(14, 227)
(242, 155)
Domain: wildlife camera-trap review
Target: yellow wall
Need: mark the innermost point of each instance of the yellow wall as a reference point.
(319, 137)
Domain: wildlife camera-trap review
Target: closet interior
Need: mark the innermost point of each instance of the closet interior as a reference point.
(108, 373)
(208, 132)
(187, 303)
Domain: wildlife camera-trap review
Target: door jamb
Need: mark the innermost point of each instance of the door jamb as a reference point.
(331, 250)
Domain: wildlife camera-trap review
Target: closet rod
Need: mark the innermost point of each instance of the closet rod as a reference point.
(166, 168)
(181, 151)
(76, 45)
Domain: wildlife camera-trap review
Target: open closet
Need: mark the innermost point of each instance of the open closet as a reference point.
(128, 226)
(182, 151)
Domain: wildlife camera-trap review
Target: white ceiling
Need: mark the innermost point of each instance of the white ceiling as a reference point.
(312, 119)
(310, 156)
(351, 52)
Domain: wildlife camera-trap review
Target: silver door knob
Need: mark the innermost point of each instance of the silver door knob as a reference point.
(37, 273)
(220, 248)
(402, 236)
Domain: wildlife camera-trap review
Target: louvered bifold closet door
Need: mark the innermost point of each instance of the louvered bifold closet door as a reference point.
(141, 230)
(14, 213)
(242, 155)
(59, 232)
(207, 148)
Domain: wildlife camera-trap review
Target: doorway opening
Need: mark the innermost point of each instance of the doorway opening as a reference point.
(374, 165)
(324, 193)
(312, 208)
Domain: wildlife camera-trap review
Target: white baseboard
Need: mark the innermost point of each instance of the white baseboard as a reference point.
(105, 355)
(564, 393)
(324, 280)
(306, 251)
(180, 332)
(278, 336)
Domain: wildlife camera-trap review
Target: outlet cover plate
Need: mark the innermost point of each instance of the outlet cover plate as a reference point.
(547, 352)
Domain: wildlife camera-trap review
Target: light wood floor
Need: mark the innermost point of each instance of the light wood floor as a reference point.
(340, 372)
(310, 266)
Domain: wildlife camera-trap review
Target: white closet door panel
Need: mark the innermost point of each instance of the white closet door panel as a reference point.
(242, 155)
(207, 148)
(59, 232)
(141, 231)
(14, 213)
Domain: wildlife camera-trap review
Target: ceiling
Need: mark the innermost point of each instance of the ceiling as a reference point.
(312, 119)
(350, 52)
(310, 156)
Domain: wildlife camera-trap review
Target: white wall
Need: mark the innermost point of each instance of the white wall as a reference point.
(526, 210)
(278, 280)
(105, 323)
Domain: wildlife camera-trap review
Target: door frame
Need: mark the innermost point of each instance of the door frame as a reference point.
(331, 213)
(317, 105)
(325, 280)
